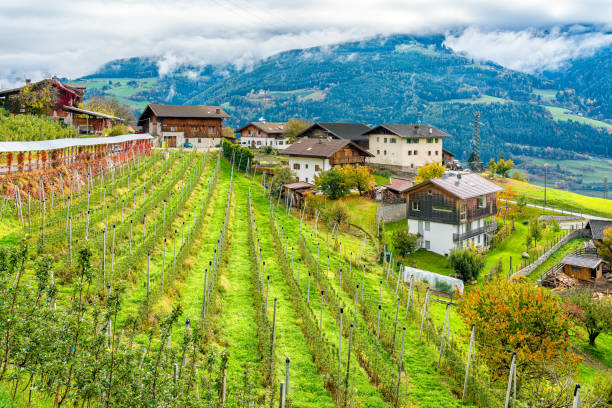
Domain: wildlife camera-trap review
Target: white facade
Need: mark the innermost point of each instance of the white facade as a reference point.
(306, 168)
(407, 153)
(201, 143)
(438, 237)
(257, 142)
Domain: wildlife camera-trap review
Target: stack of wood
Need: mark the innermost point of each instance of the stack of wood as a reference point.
(561, 281)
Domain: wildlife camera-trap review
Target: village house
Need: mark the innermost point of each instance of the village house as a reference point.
(353, 132)
(259, 134)
(202, 126)
(405, 148)
(453, 211)
(309, 157)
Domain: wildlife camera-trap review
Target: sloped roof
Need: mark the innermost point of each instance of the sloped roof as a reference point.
(53, 81)
(462, 186)
(349, 131)
(598, 227)
(186, 111)
(410, 130)
(582, 261)
(320, 147)
(399, 185)
(272, 128)
(298, 185)
(91, 113)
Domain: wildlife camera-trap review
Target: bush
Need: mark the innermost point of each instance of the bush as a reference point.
(519, 175)
(333, 183)
(267, 149)
(467, 264)
(335, 214)
(404, 242)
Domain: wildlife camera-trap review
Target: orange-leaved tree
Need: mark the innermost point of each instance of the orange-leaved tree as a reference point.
(514, 316)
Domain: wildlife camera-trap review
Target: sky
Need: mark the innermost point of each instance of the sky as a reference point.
(74, 37)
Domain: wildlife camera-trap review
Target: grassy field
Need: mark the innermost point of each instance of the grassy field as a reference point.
(590, 171)
(545, 94)
(120, 89)
(559, 199)
(482, 99)
(562, 114)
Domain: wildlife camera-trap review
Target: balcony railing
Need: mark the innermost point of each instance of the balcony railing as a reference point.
(348, 160)
(482, 230)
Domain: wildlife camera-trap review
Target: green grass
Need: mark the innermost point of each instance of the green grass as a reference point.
(562, 114)
(557, 257)
(545, 94)
(122, 92)
(380, 179)
(591, 170)
(482, 99)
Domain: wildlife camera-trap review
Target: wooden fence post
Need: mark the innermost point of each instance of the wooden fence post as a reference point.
(348, 365)
(339, 354)
(425, 308)
(469, 359)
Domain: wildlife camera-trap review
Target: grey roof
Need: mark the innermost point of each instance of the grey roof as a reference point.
(597, 228)
(463, 186)
(350, 131)
(55, 144)
(91, 113)
(298, 185)
(320, 147)
(582, 261)
(410, 130)
(272, 128)
(186, 111)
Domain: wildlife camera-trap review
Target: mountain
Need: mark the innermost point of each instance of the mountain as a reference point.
(392, 79)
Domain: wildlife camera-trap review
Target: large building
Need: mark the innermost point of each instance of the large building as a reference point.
(353, 132)
(453, 211)
(309, 157)
(405, 148)
(260, 134)
(202, 126)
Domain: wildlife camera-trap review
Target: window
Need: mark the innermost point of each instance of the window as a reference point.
(378, 152)
(436, 152)
(429, 153)
(307, 179)
(316, 167)
(463, 212)
(482, 201)
(385, 152)
(427, 226)
(430, 140)
(436, 140)
(427, 245)
(412, 165)
(478, 238)
(429, 192)
(280, 143)
(416, 206)
(378, 139)
(392, 140)
(211, 129)
(306, 165)
(172, 128)
(409, 152)
(296, 166)
(415, 152)
(259, 142)
(385, 140)
(199, 140)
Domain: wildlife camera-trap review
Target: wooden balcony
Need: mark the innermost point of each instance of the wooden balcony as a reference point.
(467, 235)
(347, 160)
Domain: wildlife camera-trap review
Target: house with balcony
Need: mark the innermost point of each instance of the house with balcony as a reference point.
(260, 134)
(353, 132)
(309, 157)
(453, 211)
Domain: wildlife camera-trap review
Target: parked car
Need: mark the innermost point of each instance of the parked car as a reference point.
(187, 145)
(455, 165)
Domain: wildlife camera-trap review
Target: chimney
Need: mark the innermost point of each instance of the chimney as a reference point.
(218, 110)
(28, 81)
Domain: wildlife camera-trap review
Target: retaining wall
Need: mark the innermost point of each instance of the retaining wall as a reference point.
(393, 212)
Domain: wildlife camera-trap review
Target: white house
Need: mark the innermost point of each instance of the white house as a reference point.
(405, 147)
(260, 134)
(453, 211)
(309, 157)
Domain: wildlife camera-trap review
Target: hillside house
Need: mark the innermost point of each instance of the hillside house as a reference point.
(453, 211)
(405, 148)
(202, 126)
(353, 132)
(260, 134)
(309, 157)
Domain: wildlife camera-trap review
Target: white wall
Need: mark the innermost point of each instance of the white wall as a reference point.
(439, 235)
(307, 165)
(401, 153)
(249, 141)
(202, 143)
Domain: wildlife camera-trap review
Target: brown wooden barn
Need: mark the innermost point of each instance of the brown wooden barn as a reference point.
(583, 267)
(202, 126)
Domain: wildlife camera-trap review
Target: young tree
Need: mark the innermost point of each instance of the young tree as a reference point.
(515, 316)
(336, 214)
(594, 314)
(294, 128)
(228, 132)
(492, 167)
(111, 106)
(359, 177)
(604, 248)
(521, 201)
(467, 263)
(404, 242)
(284, 175)
(503, 167)
(429, 171)
(333, 183)
(535, 230)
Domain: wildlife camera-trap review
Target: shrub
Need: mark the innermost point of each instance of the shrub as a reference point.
(267, 149)
(333, 183)
(519, 176)
(467, 263)
(336, 214)
(404, 242)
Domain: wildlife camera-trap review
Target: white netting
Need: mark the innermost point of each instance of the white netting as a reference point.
(441, 283)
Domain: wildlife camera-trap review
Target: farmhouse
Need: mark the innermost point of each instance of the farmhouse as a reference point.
(259, 134)
(405, 148)
(309, 157)
(453, 211)
(202, 126)
(353, 132)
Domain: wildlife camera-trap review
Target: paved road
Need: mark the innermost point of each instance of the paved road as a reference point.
(577, 214)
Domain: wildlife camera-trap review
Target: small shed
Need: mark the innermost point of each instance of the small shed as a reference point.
(295, 192)
(583, 267)
(394, 192)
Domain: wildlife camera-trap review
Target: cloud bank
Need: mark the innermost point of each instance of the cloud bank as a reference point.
(72, 38)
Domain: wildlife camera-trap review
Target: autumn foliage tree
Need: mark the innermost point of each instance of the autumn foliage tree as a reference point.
(429, 171)
(294, 128)
(359, 178)
(514, 316)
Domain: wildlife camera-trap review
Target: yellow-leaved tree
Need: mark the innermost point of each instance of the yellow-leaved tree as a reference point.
(429, 171)
(359, 177)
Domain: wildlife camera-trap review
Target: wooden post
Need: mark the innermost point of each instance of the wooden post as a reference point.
(321, 318)
(282, 396)
(510, 379)
(287, 361)
(339, 353)
(362, 282)
(163, 265)
(273, 335)
(29, 215)
(395, 323)
(70, 239)
(42, 233)
(131, 233)
(400, 368)
(148, 276)
(348, 365)
(446, 324)
(104, 256)
(267, 291)
(425, 308)
(87, 227)
(174, 255)
(308, 291)
(576, 402)
(110, 279)
(469, 359)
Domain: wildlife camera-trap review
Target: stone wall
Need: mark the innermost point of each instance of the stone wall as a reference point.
(390, 213)
(529, 268)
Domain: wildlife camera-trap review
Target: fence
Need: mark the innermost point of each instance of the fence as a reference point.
(556, 268)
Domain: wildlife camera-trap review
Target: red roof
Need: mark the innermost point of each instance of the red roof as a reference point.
(399, 185)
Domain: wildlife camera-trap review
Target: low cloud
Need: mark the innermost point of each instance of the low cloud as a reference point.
(528, 50)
